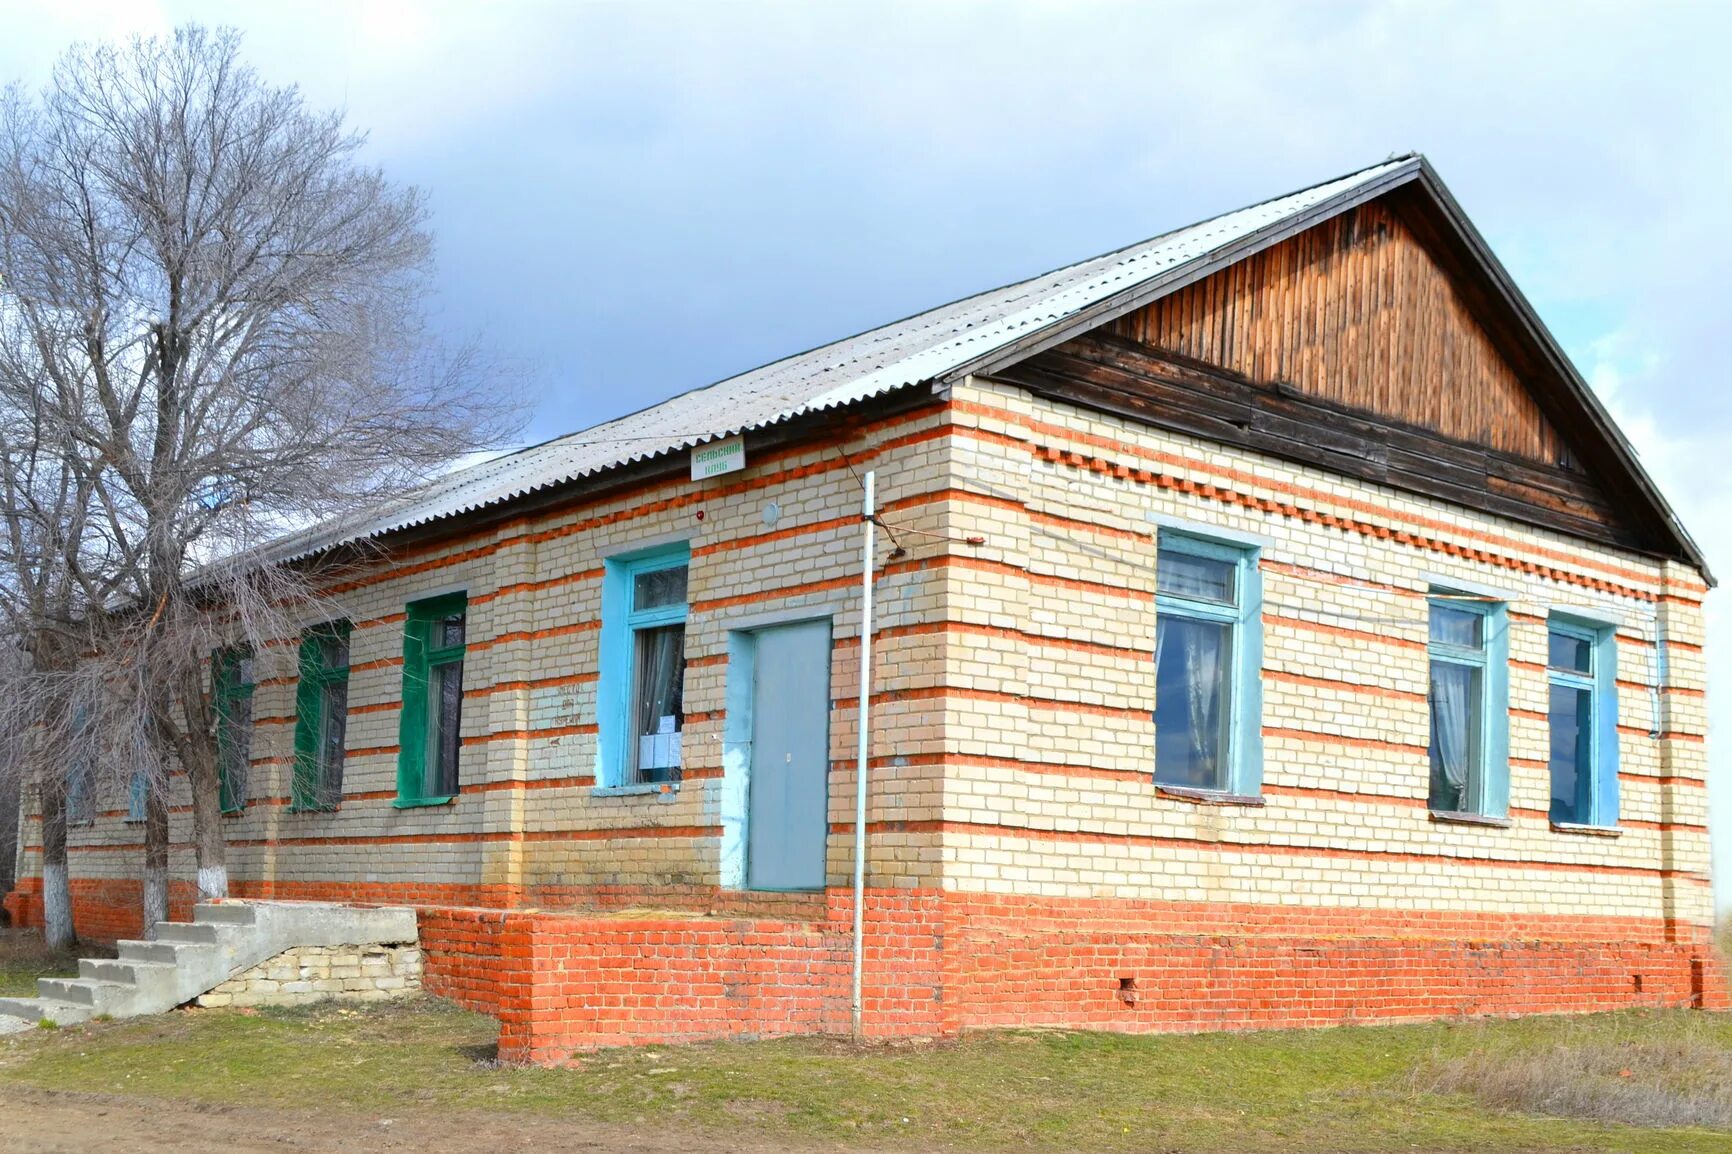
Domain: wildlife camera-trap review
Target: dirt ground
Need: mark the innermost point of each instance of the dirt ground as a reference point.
(37, 1122)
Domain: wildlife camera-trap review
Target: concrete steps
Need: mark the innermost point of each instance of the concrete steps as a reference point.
(188, 959)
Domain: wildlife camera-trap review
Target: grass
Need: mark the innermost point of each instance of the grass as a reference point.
(1367, 1089)
(24, 958)
(1636, 1082)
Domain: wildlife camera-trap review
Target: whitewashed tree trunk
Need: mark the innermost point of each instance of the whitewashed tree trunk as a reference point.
(57, 906)
(56, 879)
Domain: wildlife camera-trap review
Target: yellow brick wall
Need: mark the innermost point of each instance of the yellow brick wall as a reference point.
(1014, 684)
(1060, 798)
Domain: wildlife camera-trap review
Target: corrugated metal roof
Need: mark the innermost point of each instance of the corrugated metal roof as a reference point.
(931, 346)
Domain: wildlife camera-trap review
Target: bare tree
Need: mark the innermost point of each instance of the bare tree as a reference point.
(43, 505)
(213, 313)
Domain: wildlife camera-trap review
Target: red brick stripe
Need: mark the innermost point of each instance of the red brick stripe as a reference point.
(985, 829)
(1036, 427)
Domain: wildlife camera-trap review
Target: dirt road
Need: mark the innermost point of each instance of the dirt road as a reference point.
(34, 1122)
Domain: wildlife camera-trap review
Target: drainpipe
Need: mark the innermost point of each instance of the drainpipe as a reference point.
(1661, 672)
(868, 512)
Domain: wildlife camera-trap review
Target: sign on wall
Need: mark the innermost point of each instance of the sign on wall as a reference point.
(718, 457)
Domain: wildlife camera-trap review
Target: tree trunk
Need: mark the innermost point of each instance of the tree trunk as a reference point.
(209, 845)
(11, 802)
(56, 881)
(155, 857)
(198, 755)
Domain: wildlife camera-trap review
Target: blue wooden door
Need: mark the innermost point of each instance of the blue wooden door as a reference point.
(788, 791)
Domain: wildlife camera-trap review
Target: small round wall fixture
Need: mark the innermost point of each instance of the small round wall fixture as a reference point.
(772, 513)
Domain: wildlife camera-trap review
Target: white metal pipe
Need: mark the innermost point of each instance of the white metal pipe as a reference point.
(868, 512)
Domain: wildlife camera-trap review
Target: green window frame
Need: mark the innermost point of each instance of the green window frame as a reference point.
(1208, 666)
(1468, 697)
(641, 689)
(321, 717)
(1582, 720)
(430, 742)
(232, 699)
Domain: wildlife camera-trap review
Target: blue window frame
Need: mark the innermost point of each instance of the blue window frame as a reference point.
(1469, 696)
(135, 797)
(641, 690)
(1582, 711)
(80, 789)
(80, 794)
(1208, 666)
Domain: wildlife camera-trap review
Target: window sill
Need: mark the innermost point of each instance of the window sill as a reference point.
(642, 790)
(1208, 796)
(317, 808)
(1586, 830)
(421, 802)
(1456, 818)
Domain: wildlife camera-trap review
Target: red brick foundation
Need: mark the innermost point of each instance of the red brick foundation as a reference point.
(1140, 967)
(938, 963)
(604, 981)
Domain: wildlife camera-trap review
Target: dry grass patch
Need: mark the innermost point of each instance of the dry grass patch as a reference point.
(24, 957)
(1613, 1069)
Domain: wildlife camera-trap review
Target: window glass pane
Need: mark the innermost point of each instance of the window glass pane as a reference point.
(658, 703)
(1456, 706)
(448, 631)
(1567, 651)
(333, 727)
(658, 588)
(1572, 720)
(1193, 668)
(1462, 627)
(1199, 578)
(444, 720)
(243, 670)
(235, 748)
(334, 651)
(80, 807)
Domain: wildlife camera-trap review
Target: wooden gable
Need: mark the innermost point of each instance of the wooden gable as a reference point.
(1354, 346)
(1358, 312)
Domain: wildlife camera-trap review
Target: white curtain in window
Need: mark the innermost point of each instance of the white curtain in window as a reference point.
(1206, 675)
(661, 663)
(1191, 693)
(1451, 688)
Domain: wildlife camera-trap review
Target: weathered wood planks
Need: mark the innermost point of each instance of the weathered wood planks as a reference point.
(1179, 393)
(1358, 311)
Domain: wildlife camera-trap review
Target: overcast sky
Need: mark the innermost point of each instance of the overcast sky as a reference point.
(639, 199)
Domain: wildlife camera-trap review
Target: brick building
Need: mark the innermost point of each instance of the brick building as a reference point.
(1271, 629)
